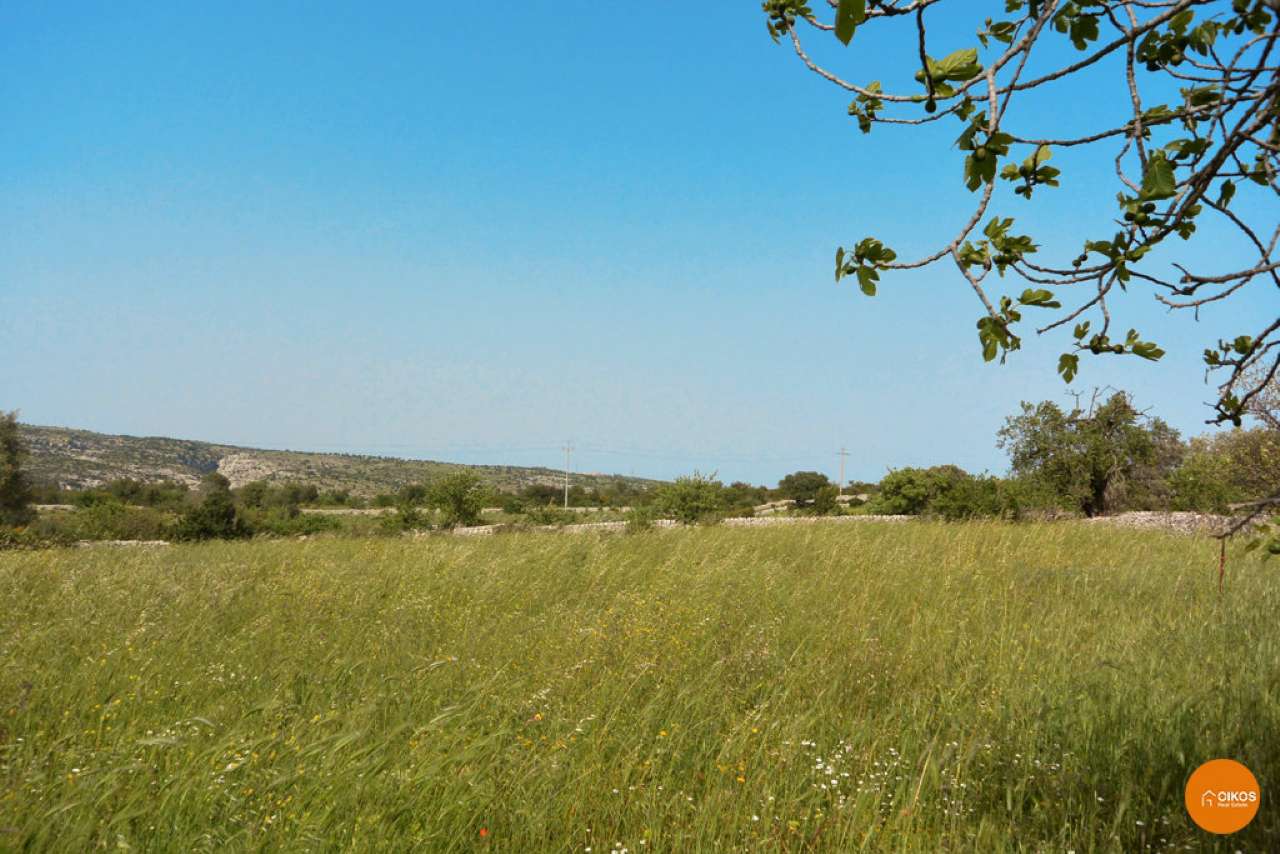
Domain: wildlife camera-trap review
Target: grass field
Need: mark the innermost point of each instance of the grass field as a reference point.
(919, 687)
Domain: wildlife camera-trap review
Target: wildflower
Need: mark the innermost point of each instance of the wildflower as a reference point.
(484, 832)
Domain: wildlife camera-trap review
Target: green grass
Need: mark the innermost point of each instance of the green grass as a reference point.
(918, 687)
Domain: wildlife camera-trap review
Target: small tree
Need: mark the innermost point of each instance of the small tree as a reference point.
(692, 499)
(1204, 481)
(459, 498)
(215, 517)
(911, 491)
(15, 488)
(1089, 456)
(824, 501)
(254, 494)
(802, 486)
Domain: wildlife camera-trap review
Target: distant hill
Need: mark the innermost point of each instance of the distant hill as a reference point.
(76, 459)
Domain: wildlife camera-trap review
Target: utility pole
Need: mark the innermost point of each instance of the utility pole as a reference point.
(568, 449)
(842, 454)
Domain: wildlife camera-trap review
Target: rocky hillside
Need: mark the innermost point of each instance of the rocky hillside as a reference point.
(80, 458)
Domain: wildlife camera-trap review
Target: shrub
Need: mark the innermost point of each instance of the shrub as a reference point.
(548, 514)
(513, 504)
(280, 522)
(692, 499)
(966, 497)
(802, 486)
(406, 518)
(909, 491)
(415, 494)
(1028, 497)
(215, 517)
(641, 519)
(15, 488)
(30, 538)
(824, 501)
(459, 498)
(106, 519)
(952, 493)
(254, 494)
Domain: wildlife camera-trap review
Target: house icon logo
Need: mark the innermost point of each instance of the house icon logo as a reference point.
(1222, 796)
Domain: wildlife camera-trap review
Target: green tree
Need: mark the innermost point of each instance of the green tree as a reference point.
(15, 487)
(1091, 457)
(254, 494)
(1204, 481)
(802, 486)
(692, 499)
(459, 497)
(824, 501)
(215, 517)
(1195, 137)
(741, 498)
(912, 491)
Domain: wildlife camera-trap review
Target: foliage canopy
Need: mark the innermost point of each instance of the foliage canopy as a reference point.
(1202, 131)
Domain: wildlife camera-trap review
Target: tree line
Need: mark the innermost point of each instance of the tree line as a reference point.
(1096, 457)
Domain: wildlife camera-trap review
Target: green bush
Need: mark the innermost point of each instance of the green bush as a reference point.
(692, 499)
(459, 497)
(824, 501)
(216, 516)
(107, 519)
(548, 514)
(966, 497)
(31, 538)
(15, 486)
(950, 492)
(513, 504)
(641, 519)
(803, 487)
(280, 522)
(406, 518)
(910, 491)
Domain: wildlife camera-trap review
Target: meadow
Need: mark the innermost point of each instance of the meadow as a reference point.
(871, 687)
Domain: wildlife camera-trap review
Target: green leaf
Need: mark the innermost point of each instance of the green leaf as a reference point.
(1039, 297)
(959, 66)
(839, 263)
(1068, 366)
(1148, 350)
(867, 277)
(1159, 181)
(1227, 194)
(848, 16)
(989, 348)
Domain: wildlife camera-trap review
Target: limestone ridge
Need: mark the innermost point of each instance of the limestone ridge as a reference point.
(78, 459)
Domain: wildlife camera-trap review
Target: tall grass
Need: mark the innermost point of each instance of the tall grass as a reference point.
(919, 687)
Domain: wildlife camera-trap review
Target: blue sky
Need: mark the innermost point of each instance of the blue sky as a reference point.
(474, 234)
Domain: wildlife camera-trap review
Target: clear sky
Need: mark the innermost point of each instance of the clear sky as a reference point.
(473, 233)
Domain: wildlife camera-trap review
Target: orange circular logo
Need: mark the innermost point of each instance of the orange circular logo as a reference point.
(1222, 796)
